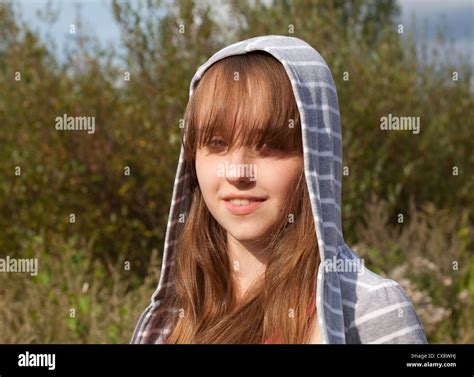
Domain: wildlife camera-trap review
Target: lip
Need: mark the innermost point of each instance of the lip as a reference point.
(243, 210)
(249, 197)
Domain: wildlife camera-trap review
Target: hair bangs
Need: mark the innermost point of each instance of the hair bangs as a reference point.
(246, 100)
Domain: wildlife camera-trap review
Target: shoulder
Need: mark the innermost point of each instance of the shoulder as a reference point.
(377, 309)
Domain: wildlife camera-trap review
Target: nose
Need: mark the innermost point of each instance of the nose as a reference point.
(240, 166)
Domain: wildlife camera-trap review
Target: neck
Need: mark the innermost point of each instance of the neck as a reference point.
(249, 261)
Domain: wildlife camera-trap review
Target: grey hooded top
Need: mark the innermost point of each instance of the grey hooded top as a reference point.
(352, 307)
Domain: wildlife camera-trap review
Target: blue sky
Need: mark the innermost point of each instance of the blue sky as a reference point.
(96, 16)
(456, 15)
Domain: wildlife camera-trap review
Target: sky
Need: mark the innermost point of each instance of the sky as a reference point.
(456, 15)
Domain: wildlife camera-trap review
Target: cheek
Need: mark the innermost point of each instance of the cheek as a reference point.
(279, 177)
(206, 171)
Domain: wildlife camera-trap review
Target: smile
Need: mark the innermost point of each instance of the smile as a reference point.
(242, 206)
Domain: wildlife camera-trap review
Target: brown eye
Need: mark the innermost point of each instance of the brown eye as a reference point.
(273, 147)
(217, 144)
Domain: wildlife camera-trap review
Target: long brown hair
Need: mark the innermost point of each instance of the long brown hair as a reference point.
(248, 99)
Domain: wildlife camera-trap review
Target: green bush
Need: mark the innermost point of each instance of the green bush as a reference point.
(73, 298)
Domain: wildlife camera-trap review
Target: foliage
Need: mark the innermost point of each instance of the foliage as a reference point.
(122, 217)
(431, 257)
(73, 298)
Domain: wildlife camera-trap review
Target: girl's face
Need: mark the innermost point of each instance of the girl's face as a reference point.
(267, 177)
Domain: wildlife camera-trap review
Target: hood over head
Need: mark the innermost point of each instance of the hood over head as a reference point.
(317, 101)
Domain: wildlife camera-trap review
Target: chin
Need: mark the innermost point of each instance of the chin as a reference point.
(246, 236)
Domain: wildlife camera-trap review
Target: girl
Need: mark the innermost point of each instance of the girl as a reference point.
(254, 251)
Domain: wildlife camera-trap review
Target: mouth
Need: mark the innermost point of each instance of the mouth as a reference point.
(243, 206)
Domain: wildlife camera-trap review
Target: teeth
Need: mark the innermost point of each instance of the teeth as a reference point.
(239, 202)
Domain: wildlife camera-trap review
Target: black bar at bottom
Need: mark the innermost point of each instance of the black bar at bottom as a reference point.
(236, 360)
